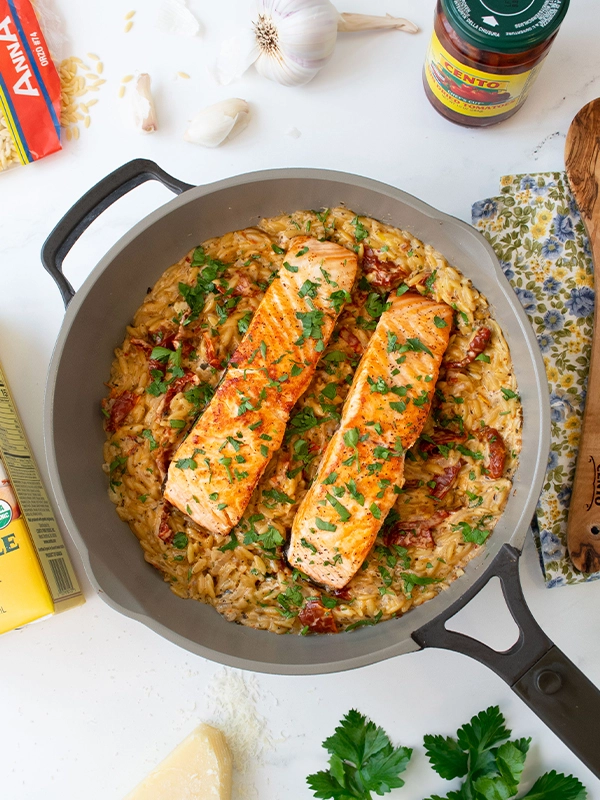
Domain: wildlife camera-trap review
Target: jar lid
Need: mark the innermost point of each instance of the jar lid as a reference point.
(505, 26)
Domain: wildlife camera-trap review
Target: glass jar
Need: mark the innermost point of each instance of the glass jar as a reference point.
(485, 55)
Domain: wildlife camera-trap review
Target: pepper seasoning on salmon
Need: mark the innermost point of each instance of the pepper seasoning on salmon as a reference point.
(362, 470)
(214, 472)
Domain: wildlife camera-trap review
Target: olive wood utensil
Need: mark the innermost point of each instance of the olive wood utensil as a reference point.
(582, 158)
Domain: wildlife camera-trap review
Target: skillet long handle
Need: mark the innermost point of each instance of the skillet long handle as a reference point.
(81, 215)
(535, 669)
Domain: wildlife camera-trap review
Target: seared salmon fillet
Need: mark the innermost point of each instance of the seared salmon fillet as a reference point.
(214, 472)
(362, 469)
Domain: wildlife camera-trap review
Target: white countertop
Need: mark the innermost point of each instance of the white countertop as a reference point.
(90, 700)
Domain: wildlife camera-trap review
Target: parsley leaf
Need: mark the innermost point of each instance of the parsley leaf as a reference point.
(508, 394)
(360, 232)
(337, 299)
(362, 761)
(491, 765)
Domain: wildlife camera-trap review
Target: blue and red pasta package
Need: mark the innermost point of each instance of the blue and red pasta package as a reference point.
(29, 88)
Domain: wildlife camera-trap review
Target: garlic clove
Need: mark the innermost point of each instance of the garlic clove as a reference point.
(142, 105)
(174, 17)
(236, 55)
(218, 123)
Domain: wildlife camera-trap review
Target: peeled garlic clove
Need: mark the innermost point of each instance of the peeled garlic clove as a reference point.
(215, 124)
(175, 17)
(142, 105)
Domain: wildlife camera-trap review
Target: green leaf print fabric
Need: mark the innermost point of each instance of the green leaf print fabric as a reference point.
(538, 235)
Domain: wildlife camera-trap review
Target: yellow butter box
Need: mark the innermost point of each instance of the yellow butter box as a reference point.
(36, 575)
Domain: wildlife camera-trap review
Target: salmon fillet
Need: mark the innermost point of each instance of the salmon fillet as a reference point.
(363, 466)
(214, 472)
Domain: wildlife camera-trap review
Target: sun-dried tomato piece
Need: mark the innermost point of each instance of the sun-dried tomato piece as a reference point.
(352, 341)
(120, 408)
(211, 353)
(445, 480)
(443, 436)
(477, 345)
(384, 275)
(415, 532)
(244, 287)
(318, 618)
(163, 530)
(178, 385)
(497, 450)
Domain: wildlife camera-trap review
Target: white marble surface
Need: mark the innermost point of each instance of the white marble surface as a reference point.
(89, 700)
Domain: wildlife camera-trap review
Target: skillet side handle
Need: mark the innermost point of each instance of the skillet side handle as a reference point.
(81, 215)
(535, 669)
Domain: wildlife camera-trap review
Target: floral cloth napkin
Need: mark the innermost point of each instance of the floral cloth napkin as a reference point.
(538, 235)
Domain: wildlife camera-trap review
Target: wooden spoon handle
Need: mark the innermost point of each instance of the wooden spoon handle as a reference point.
(583, 169)
(583, 527)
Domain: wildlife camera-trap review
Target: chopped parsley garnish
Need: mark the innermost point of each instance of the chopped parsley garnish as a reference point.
(508, 394)
(342, 511)
(231, 544)
(439, 322)
(353, 491)
(418, 346)
(302, 252)
(180, 541)
(289, 267)
(312, 322)
(308, 289)
(399, 406)
(177, 423)
(470, 534)
(323, 525)
(466, 452)
(308, 545)
(411, 580)
(276, 249)
(200, 395)
(337, 299)
(278, 496)
(271, 538)
(147, 434)
(331, 478)
(376, 305)
(244, 322)
(186, 463)
(375, 510)
(431, 280)
(360, 232)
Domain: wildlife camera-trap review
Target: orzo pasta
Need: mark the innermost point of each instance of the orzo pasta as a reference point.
(458, 474)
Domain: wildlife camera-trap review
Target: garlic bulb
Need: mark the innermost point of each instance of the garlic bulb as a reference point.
(214, 125)
(291, 40)
(142, 105)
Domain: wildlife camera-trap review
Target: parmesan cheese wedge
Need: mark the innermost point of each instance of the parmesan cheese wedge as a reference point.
(198, 769)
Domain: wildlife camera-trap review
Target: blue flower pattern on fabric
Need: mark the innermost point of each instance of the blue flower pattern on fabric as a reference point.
(553, 320)
(549, 266)
(484, 209)
(551, 286)
(551, 248)
(581, 302)
(527, 299)
(562, 228)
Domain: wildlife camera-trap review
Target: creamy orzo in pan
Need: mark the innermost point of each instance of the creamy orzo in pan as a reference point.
(457, 476)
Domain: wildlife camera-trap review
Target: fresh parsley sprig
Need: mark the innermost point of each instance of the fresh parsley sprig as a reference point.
(491, 765)
(362, 761)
